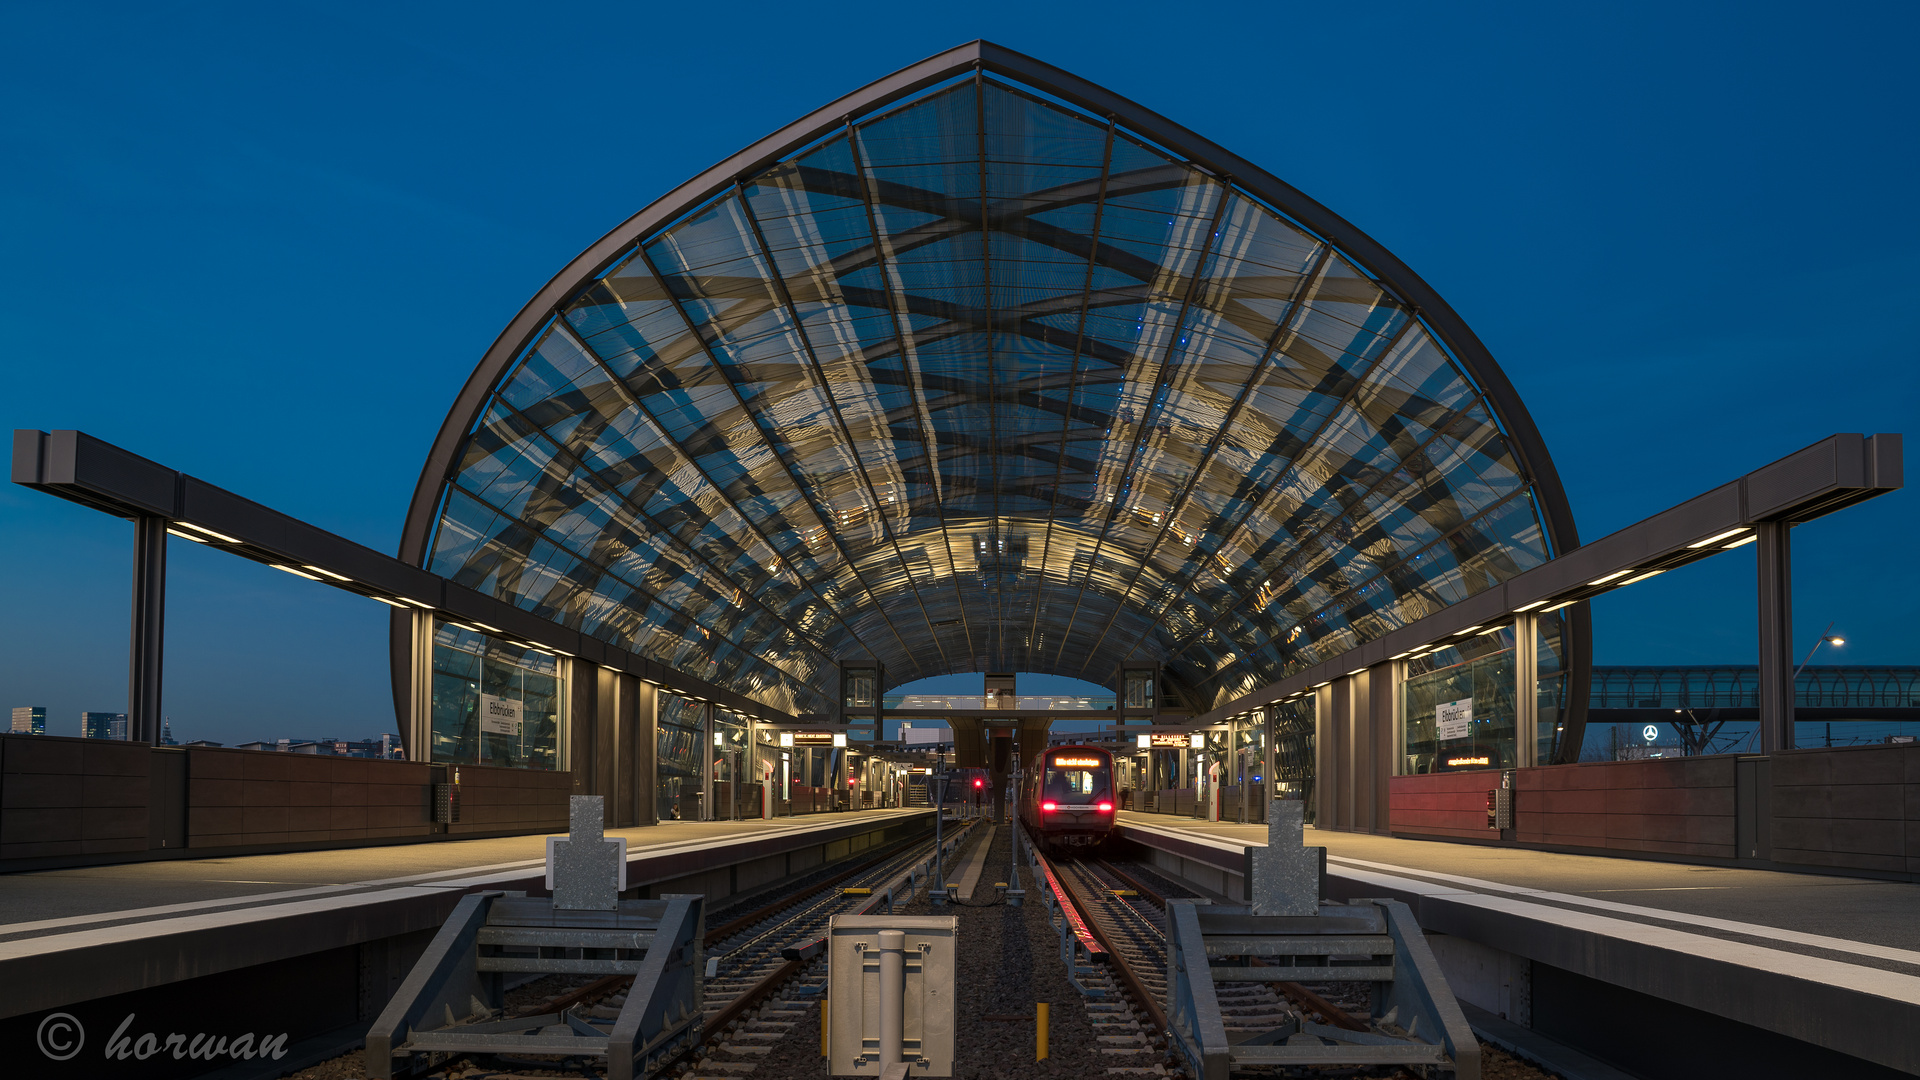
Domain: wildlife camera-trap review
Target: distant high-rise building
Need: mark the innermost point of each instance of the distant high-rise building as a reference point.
(166, 732)
(103, 725)
(30, 720)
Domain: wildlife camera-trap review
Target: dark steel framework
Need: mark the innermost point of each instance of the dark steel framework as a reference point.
(983, 367)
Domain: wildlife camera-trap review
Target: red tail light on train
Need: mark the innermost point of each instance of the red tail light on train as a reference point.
(1049, 807)
(1106, 808)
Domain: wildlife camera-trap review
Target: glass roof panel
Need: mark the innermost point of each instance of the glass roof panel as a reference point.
(985, 382)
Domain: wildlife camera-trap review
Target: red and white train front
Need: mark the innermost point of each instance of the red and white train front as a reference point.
(1070, 799)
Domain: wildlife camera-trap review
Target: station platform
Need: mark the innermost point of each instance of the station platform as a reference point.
(333, 931)
(1580, 945)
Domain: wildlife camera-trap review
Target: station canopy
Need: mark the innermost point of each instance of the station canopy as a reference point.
(979, 376)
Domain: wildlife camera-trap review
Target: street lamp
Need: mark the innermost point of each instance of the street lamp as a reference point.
(1827, 638)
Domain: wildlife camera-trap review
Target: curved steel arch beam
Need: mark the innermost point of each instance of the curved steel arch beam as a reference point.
(1393, 274)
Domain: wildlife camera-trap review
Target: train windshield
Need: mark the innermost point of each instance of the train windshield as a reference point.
(1076, 779)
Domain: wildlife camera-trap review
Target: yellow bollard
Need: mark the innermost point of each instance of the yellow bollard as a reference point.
(1040, 1024)
(823, 1027)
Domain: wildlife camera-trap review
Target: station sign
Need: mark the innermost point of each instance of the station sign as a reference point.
(1166, 740)
(818, 738)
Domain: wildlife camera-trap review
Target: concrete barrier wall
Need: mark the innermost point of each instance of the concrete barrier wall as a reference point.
(252, 797)
(1848, 808)
(1855, 807)
(1674, 806)
(65, 801)
(63, 797)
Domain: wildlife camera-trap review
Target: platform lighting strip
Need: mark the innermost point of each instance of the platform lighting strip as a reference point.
(1717, 537)
(327, 572)
(203, 529)
(186, 536)
(1742, 542)
(295, 573)
(1610, 577)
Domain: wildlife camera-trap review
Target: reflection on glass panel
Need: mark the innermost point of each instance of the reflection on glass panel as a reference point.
(1458, 706)
(1073, 403)
(495, 703)
(1292, 723)
(1549, 643)
(677, 758)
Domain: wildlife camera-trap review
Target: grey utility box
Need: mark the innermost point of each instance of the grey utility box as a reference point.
(890, 977)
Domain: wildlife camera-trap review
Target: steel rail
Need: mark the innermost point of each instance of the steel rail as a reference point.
(1072, 900)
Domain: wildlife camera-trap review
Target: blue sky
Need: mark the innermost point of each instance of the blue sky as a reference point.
(266, 243)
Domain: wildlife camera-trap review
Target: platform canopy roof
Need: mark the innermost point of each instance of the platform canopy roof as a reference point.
(986, 368)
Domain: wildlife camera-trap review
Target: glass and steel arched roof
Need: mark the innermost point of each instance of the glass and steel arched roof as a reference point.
(984, 368)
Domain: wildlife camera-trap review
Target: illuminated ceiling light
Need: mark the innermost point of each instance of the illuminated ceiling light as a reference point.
(209, 532)
(187, 536)
(488, 629)
(1528, 607)
(1469, 630)
(1491, 630)
(295, 573)
(463, 626)
(1643, 577)
(1355, 671)
(1717, 537)
(1561, 604)
(1610, 577)
(327, 572)
(416, 603)
(1742, 542)
(391, 603)
(1401, 656)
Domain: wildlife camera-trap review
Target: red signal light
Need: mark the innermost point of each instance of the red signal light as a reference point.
(851, 781)
(979, 783)
(1049, 806)
(1106, 808)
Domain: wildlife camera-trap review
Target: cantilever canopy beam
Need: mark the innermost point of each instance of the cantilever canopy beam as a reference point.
(80, 468)
(1834, 473)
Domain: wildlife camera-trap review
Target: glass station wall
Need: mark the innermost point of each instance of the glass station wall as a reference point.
(495, 703)
(678, 757)
(1550, 653)
(730, 766)
(1294, 744)
(1458, 706)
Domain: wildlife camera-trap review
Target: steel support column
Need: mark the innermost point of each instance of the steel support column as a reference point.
(645, 699)
(1382, 690)
(1775, 560)
(1526, 691)
(145, 654)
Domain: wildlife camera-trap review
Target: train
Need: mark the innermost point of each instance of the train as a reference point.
(1068, 800)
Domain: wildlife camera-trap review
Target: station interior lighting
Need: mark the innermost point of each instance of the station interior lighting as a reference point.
(295, 573)
(187, 536)
(1742, 542)
(203, 529)
(1717, 537)
(323, 570)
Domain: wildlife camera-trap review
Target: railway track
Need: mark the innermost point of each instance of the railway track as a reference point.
(1123, 910)
(764, 976)
(771, 956)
